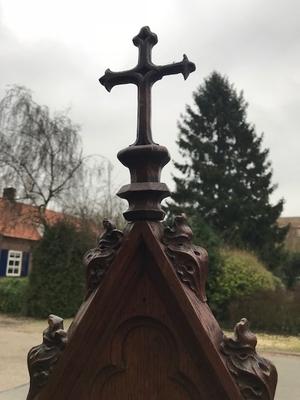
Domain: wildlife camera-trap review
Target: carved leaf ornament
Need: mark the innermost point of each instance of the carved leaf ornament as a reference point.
(189, 261)
(42, 358)
(255, 376)
(98, 260)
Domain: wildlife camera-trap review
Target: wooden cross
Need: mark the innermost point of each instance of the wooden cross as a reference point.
(144, 75)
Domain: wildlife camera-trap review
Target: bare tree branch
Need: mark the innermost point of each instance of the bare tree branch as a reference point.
(40, 155)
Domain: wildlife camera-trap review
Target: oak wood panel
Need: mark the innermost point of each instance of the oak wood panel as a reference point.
(139, 337)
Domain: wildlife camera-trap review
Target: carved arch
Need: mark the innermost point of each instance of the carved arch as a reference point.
(154, 342)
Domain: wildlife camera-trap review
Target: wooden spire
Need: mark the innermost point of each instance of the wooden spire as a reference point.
(144, 330)
(145, 159)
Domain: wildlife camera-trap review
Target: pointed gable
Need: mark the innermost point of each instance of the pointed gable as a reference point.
(142, 331)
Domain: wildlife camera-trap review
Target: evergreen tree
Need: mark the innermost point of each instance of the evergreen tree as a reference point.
(226, 176)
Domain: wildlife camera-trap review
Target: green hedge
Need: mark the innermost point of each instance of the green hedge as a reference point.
(13, 295)
(272, 311)
(240, 275)
(56, 282)
(291, 269)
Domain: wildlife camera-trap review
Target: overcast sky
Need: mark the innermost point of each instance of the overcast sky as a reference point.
(60, 48)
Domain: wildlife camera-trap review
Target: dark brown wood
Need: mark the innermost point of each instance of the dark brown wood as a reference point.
(189, 261)
(144, 75)
(256, 377)
(97, 260)
(42, 358)
(144, 158)
(145, 331)
(142, 334)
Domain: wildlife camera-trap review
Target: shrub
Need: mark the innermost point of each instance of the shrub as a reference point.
(272, 311)
(241, 274)
(56, 282)
(291, 269)
(13, 293)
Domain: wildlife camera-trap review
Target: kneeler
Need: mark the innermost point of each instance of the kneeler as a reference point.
(145, 330)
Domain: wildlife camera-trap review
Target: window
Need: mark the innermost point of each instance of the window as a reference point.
(14, 263)
(298, 232)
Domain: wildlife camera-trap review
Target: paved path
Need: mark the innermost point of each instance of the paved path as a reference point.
(288, 385)
(288, 368)
(19, 393)
(17, 336)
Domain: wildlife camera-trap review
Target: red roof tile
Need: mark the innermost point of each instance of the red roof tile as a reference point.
(21, 220)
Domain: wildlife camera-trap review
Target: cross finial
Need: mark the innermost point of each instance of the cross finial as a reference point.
(145, 159)
(144, 75)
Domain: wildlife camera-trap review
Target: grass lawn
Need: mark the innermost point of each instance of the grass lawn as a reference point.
(275, 343)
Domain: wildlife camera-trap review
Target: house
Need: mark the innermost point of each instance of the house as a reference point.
(20, 230)
(292, 239)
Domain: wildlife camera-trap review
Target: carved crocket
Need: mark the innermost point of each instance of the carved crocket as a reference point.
(189, 261)
(98, 260)
(255, 376)
(42, 358)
